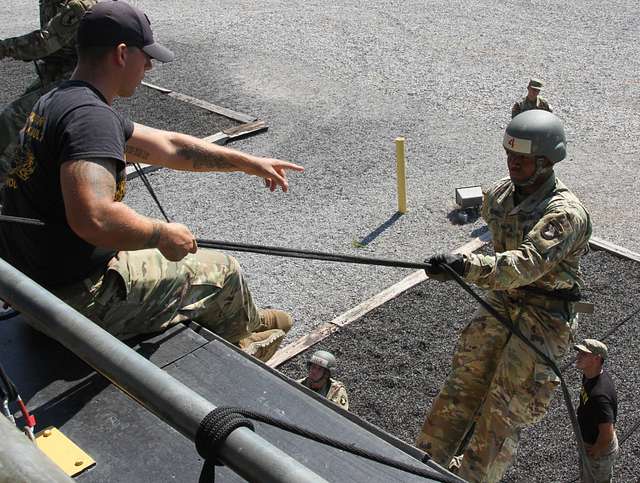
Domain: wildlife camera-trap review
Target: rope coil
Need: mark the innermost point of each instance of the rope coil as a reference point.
(212, 433)
(219, 423)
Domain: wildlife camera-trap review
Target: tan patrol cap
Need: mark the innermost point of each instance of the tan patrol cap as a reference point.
(593, 346)
(535, 84)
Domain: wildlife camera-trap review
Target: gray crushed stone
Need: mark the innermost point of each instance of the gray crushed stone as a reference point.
(337, 83)
(395, 358)
(154, 109)
(15, 77)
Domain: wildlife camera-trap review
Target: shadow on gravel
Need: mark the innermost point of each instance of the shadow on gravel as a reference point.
(462, 216)
(378, 231)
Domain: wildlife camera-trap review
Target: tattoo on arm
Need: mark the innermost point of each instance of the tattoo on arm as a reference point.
(203, 159)
(99, 175)
(153, 240)
(136, 152)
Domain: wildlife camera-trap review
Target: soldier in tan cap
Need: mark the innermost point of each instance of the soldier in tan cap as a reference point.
(532, 100)
(598, 410)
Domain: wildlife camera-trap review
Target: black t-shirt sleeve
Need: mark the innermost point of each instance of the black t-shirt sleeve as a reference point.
(106, 137)
(602, 410)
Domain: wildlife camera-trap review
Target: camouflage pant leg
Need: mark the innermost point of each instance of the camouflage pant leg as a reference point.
(453, 411)
(12, 119)
(602, 467)
(519, 395)
(143, 292)
(230, 311)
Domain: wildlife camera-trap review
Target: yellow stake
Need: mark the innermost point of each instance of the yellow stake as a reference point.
(401, 175)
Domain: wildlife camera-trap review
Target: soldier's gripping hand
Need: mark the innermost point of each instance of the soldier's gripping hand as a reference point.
(438, 272)
(175, 241)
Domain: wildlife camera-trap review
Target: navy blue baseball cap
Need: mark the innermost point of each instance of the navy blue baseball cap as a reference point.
(112, 22)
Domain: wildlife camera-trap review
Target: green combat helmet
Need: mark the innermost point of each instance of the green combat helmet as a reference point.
(536, 133)
(323, 359)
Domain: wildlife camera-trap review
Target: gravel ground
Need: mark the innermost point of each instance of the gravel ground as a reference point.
(394, 360)
(337, 83)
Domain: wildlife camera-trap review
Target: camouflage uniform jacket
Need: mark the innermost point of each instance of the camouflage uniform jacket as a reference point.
(334, 391)
(54, 43)
(538, 242)
(526, 105)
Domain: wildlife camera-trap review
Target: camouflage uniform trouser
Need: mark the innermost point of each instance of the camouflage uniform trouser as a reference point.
(142, 292)
(12, 119)
(602, 467)
(499, 383)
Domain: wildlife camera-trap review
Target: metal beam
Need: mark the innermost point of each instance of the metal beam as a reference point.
(246, 453)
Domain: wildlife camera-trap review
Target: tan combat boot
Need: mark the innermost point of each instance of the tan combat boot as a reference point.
(274, 319)
(262, 345)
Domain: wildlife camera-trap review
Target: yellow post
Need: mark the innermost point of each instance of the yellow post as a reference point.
(401, 175)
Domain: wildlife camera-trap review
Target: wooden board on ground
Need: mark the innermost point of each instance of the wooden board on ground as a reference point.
(223, 111)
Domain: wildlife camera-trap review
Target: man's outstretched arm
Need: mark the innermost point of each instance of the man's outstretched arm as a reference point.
(188, 153)
(88, 190)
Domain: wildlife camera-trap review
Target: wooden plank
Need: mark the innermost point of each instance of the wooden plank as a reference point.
(237, 132)
(474, 244)
(164, 90)
(325, 330)
(600, 244)
(207, 106)
(302, 344)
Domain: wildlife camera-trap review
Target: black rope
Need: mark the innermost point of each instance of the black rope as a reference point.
(582, 453)
(19, 219)
(269, 250)
(9, 389)
(150, 189)
(308, 254)
(230, 417)
(278, 251)
(626, 435)
(212, 433)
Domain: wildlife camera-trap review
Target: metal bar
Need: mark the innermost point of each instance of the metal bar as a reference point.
(246, 453)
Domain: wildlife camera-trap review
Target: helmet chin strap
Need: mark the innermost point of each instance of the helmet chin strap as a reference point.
(542, 170)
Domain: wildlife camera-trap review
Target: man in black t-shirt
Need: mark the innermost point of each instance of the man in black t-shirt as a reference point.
(598, 409)
(128, 273)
